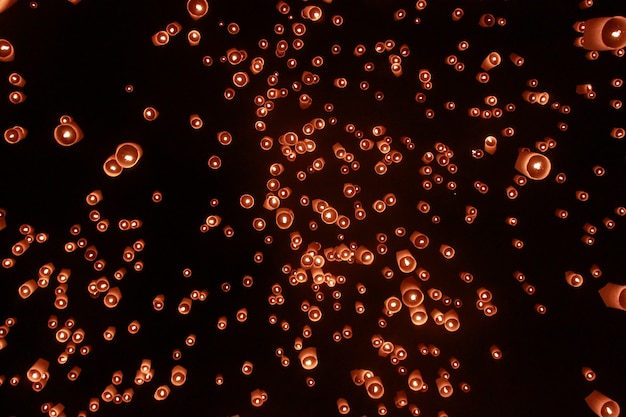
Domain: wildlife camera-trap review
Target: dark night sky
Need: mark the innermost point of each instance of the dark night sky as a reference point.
(77, 60)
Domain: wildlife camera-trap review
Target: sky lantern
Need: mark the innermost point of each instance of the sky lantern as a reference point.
(67, 133)
(197, 8)
(614, 296)
(128, 154)
(535, 166)
(388, 140)
(602, 405)
(604, 33)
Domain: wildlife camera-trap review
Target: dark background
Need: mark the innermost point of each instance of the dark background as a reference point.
(77, 59)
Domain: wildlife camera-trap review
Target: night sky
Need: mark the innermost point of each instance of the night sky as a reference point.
(93, 65)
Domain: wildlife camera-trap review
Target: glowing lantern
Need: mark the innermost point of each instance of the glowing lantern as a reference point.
(15, 134)
(56, 411)
(27, 288)
(363, 256)
(602, 405)
(197, 8)
(412, 295)
(313, 13)
(308, 358)
(128, 154)
(451, 321)
(109, 333)
(573, 279)
(415, 380)
(178, 376)
(406, 262)
(400, 399)
(374, 387)
(7, 52)
(491, 61)
(392, 305)
(160, 38)
(535, 166)
(38, 370)
(604, 33)
(343, 406)
(447, 251)
(258, 397)
(496, 353)
(284, 218)
(111, 167)
(74, 373)
(419, 316)
(162, 392)
(113, 297)
(588, 373)
(444, 387)
(67, 133)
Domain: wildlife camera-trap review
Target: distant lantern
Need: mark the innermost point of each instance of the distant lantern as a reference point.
(150, 114)
(496, 353)
(247, 368)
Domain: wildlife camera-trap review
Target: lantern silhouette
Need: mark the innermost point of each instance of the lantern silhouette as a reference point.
(614, 296)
